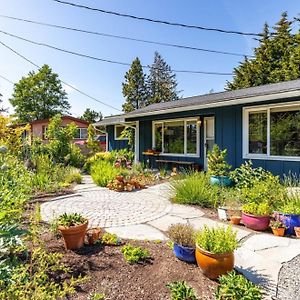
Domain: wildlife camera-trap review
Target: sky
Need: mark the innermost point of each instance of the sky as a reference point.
(102, 80)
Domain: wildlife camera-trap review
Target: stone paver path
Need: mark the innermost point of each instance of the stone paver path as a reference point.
(147, 214)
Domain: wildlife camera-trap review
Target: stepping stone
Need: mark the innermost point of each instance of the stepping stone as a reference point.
(186, 212)
(164, 222)
(137, 232)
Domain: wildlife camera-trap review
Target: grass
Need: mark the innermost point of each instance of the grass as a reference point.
(195, 188)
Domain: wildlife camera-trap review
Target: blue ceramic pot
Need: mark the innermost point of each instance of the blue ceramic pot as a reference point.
(220, 180)
(184, 253)
(290, 221)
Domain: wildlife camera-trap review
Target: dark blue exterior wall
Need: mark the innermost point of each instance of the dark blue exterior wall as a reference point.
(228, 134)
(112, 143)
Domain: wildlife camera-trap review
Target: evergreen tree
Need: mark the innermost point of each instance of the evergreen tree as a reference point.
(134, 88)
(38, 96)
(161, 82)
(91, 116)
(275, 59)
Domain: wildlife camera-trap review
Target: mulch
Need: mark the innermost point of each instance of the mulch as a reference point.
(110, 274)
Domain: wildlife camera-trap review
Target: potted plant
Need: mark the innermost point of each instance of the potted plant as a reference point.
(183, 237)
(235, 220)
(73, 229)
(215, 250)
(278, 228)
(290, 213)
(256, 216)
(218, 167)
(93, 235)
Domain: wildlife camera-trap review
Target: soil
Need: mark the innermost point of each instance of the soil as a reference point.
(110, 274)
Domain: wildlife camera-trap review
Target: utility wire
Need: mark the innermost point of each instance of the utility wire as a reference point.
(158, 21)
(107, 60)
(125, 37)
(6, 79)
(65, 83)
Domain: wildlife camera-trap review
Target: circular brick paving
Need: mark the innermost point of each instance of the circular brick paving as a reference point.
(105, 208)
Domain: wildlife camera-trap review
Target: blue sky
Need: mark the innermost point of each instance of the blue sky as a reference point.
(104, 81)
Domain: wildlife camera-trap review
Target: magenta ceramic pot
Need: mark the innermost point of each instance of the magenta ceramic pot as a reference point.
(259, 223)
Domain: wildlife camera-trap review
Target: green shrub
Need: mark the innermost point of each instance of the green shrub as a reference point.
(237, 287)
(216, 160)
(181, 291)
(110, 239)
(195, 189)
(73, 176)
(102, 172)
(68, 220)
(291, 180)
(270, 190)
(246, 176)
(135, 254)
(217, 240)
(291, 205)
(182, 234)
(257, 209)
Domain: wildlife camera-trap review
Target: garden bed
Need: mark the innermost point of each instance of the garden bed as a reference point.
(111, 275)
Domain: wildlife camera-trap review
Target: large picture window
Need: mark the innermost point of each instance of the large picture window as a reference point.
(177, 137)
(272, 132)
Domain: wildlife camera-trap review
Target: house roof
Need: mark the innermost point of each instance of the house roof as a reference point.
(261, 93)
(64, 118)
(112, 120)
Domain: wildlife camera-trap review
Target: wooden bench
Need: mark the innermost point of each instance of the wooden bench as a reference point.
(190, 164)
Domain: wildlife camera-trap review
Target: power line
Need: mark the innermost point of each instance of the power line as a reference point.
(6, 79)
(108, 60)
(65, 83)
(125, 37)
(158, 21)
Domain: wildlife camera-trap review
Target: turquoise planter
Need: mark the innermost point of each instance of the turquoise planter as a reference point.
(220, 180)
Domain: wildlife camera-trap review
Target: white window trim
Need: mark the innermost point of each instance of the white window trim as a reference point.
(267, 109)
(80, 135)
(115, 133)
(185, 154)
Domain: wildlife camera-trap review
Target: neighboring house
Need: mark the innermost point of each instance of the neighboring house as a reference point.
(39, 128)
(259, 123)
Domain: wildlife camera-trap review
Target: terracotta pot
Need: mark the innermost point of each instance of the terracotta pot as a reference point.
(93, 235)
(259, 223)
(278, 231)
(235, 220)
(214, 265)
(297, 231)
(120, 178)
(73, 236)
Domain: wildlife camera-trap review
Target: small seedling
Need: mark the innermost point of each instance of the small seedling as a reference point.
(181, 291)
(97, 296)
(135, 254)
(110, 239)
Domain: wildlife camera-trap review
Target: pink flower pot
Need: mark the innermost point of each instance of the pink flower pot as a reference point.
(259, 223)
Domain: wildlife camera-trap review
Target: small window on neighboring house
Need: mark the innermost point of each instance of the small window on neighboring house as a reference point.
(118, 132)
(44, 131)
(81, 134)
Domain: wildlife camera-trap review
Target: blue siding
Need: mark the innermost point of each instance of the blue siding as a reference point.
(112, 143)
(228, 134)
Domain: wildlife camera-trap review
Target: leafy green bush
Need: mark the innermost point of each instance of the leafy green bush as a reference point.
(237, 287)
(110, 239)
(291, 180)
(216, 160)
(103, 172)
(257, 209)
(246, 176)
(270, 190)
(217, 240)
(195, 188)
(291, 205)
(134, 254)
(182, 234)
(181, 291)
(73, 176)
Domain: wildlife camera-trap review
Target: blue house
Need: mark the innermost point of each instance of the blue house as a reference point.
(259, 123)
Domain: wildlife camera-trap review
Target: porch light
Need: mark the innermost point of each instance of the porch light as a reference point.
(199, 121)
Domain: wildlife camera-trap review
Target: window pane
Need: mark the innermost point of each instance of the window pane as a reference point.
(77, 134)
(83, 133)
(285, 133)
(158, 137)
(191, 132)
(119, 130)
(174, 137)
(258, 132)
